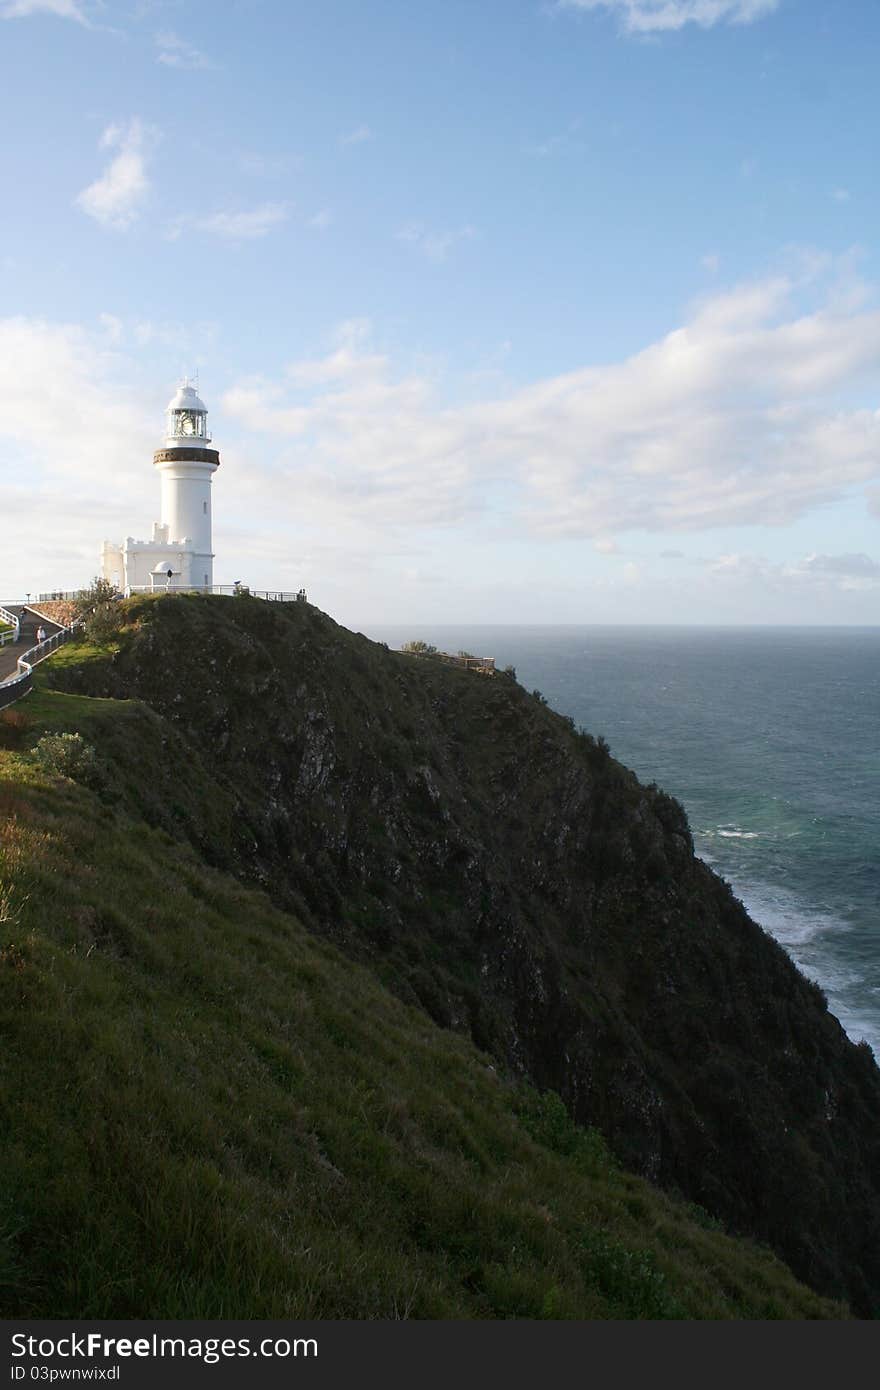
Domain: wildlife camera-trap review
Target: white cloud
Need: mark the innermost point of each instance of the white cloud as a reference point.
(359, 136)
(176, 52)
(859, 567)
(433, 245)
(811, 574)
(22, 9)
(116, 198)
(60, 396)
(248, 225)
(76, 438)
(731, 418)
(654, 16)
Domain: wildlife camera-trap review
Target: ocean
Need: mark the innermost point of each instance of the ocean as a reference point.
(770, 738)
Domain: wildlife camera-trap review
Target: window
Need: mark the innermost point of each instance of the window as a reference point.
(205, 508)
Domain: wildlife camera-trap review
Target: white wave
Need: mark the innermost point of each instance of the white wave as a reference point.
(727, 832)
(782, 914)
(805, 933)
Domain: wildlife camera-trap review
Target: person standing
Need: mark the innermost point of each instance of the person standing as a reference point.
(41, 634)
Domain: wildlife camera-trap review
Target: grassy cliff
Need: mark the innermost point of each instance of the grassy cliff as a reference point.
(254, 941)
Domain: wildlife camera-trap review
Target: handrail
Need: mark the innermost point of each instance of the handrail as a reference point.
(14, 687)
(233, 590)
(41, 651)
(9, 617)
(273, 595)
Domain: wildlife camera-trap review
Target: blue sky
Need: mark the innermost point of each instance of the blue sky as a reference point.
(503, 311)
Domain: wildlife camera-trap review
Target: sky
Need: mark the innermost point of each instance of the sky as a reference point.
(503, 310)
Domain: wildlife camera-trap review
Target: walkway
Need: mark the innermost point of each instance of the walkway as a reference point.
(13, 650)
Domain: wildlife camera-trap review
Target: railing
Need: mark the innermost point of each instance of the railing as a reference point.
(234, 590)
(15, 688)
(19, 684)
(483, 665)
(7, 616)
(272, 595)
(34, 655)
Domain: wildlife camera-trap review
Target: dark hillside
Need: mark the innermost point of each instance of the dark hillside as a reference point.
(209, 1112)
(502, 871)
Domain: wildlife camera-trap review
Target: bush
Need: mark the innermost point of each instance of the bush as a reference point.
(98, 611)
(100, 591)
(68, 755)
(104, 624)
(418, 648)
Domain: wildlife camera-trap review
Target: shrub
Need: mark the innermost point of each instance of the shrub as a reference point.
(68, 755)
(100, 591)
(419, 648)
(104, 625)
(97, 608)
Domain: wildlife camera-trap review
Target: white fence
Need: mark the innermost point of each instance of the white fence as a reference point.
(233, 590)
(272, 595)
(19, 684)
(7, 616)
(34, 655)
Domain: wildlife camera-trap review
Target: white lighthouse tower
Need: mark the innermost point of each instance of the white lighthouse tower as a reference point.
(180, 554)
(186, 466)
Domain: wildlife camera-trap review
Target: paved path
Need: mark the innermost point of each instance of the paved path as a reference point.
(13, 650)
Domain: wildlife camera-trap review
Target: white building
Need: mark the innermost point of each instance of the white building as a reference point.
(179, 555)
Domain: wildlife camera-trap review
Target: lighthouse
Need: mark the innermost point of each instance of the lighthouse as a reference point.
(180, 553)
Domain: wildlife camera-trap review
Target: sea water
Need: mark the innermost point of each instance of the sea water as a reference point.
(770, 737)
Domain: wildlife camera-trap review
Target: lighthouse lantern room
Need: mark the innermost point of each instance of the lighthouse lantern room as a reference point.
(180, 553)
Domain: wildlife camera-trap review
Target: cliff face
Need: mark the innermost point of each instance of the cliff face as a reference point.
(504, 872)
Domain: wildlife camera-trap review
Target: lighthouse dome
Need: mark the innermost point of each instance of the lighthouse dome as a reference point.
(185, 398)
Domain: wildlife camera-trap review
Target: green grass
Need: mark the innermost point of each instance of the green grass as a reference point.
(211, 1113)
